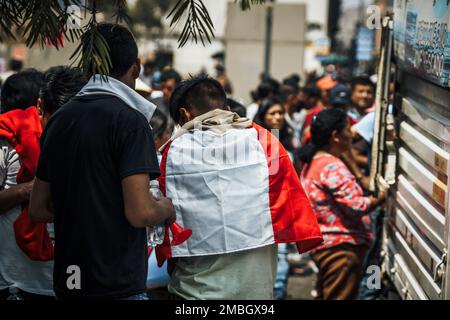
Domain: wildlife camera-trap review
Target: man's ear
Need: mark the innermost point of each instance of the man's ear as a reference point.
(228, 108)
(185, 115)
(136, 69)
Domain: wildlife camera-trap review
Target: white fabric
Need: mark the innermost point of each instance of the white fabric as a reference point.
(219, 185)
(16, 268)
(114, 87)
(252, 110)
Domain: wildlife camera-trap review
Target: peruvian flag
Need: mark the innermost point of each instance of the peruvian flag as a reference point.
(236, 191)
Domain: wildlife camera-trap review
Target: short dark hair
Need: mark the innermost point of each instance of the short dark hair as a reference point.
(123, 49)
(286, 91)
(60, 85)
(201, 93)
(322, 129)
(293, 80)
(21, 90)
(312, 91)
(362, 80)
(237, 107)
(170, 74)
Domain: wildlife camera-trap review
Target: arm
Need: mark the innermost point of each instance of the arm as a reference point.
(14, 196)
(41, 210)
(341, 184)
(141, 209)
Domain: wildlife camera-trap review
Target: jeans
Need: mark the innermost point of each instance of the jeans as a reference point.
(22, 295)
(140, 297)
(373, 256)
(280, 287)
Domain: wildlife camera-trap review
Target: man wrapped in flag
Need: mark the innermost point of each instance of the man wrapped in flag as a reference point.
(233, 184)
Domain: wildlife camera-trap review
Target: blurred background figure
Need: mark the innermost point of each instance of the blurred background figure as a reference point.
(223, 79)
(237, 107)
(362, 99)
(148, 72)
(271, 117)
(170, 79)
(263, 91)
(15, 65)
(339, 97)
(294, 118)
(310, 102)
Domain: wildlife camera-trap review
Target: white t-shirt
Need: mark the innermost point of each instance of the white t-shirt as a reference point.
(16, 268)
(243, 275)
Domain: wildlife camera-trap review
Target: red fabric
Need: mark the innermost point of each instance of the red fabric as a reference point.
(310, 116)
(292, 217)
(164, 251)
(22, 129)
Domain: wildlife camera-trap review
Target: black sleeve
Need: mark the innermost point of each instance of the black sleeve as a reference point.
(41, 171)
(137, 152)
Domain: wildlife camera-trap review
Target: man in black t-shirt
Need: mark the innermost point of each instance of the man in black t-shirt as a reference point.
(97, 156)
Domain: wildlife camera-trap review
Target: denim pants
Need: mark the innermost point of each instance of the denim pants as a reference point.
(373, 256)
(280, 288)
(140, 297)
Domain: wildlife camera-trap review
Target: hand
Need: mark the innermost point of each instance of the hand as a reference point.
(168, 209)
(376, 201)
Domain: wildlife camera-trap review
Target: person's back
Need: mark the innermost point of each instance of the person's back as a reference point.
(86, 189)
(232, 183)
(97, 157)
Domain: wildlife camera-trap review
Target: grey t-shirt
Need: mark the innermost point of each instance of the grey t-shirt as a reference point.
(244, 275)
(16, 268)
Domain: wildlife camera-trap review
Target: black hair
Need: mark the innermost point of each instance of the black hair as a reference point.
(158, 123)
(264, 90)
(293, 80)
(61, 83)
(361, 80)
(15, 65)
(201, 93)
(21, 90)
(237, 107)
(275, 84)
(150, 64)
(285, 133)
(312, 91)
(123, 49)
(322, 128)
(286, 91)
(264, 106)
(170, 74)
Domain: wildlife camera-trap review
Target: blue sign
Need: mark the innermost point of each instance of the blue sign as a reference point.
(422, 38)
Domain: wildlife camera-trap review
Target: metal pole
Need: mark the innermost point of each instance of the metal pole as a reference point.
(268, 40)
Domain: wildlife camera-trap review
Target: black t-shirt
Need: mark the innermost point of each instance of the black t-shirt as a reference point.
(87, 148)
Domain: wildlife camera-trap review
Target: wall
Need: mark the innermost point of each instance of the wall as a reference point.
(244, 42)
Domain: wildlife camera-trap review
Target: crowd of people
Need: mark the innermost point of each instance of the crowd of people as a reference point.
(241, 184)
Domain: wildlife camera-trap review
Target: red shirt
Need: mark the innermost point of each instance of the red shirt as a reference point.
(338, 202)
(310, 116)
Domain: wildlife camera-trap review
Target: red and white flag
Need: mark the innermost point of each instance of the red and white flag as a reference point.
(236, 190)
